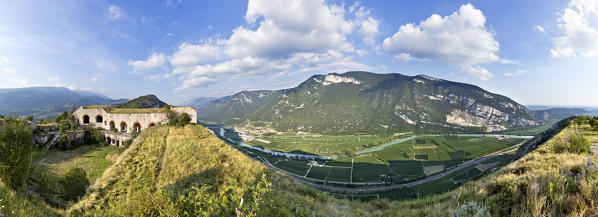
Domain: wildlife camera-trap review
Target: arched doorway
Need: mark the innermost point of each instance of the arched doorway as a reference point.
(123, 127)
(112, 125)
(85, 119)
(99, 119)
(108, 140)
(137, 127)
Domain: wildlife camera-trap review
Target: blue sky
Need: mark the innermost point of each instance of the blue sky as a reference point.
(536, 52)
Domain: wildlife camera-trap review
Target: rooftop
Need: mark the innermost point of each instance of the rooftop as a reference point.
(113, 110)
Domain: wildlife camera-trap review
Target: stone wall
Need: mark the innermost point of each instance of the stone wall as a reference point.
(98, 117)
(189, 110)
(116, 138)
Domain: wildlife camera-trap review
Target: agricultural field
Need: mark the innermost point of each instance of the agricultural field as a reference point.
(407, 161)
(319, 144)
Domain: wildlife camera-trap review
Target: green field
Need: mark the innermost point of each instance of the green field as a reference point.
(319, 144)
(406, 161)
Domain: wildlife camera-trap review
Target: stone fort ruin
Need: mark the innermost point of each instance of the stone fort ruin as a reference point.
(118, 123)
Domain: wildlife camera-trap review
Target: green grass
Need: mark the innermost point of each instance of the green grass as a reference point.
(18, 204)
(320, 144)
(115, 110)
(91, 158)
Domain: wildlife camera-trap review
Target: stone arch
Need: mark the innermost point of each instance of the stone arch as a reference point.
(123, 126)
(99, 119)
(112, 125)
(108, 140)
(136, 127)
(85, 119)
(151, 124)
(118, 143)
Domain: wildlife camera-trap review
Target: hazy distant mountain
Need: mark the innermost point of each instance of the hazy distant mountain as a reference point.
(197, 102)
(43, 101)
(147, 101)
(556, 114)
(368, 102)
(237, 106)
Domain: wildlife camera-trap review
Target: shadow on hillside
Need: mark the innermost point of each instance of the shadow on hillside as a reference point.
(213, 177)
(57, 156)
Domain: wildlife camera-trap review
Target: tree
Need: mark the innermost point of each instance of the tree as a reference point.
(72, 110)
(75, 182)
(29, 118)
(16, 146)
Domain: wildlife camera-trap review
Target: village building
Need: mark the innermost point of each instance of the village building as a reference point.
(118, 123)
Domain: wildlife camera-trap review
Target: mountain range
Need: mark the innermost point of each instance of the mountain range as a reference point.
(47, 101)
(366, 102)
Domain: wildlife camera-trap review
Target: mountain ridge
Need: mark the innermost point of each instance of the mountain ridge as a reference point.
(359, 101)
(47, 101)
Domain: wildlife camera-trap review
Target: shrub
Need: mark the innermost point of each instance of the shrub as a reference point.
(94, 136)
(578, 144)
(16, 146)
(75, 182)
(178, 119)
(470, 209)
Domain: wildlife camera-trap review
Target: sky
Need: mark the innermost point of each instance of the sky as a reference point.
(537, 52)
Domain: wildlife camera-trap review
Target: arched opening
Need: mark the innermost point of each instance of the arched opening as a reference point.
(105, 122)
(85, 119)
(137, 127)
(112, 125)
(117, 143)
(123, 127)
(151, 124)
(99, 119)
(108, 140)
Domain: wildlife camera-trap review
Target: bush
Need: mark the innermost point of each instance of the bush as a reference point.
(75, 182)
(94, 136)
(579, 144)
(16, 146)
(178, 119)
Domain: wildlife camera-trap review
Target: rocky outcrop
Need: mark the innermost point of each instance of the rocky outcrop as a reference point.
(474, 114)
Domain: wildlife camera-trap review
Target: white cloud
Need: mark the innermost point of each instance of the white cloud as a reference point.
(153, 61)
(4, 60)
(539, 29)
(97, 77)
(9, 70)
(115, 12)
(479, 72)
(281, 37)
(579, 25)
(515, 74)
(53, 79)
(289, 27)
(155, 77)
(460, 39)
(189, 54)
(173, 3)
(368, 25)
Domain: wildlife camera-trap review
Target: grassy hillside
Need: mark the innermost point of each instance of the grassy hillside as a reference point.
(189, 172)
(17, 204)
